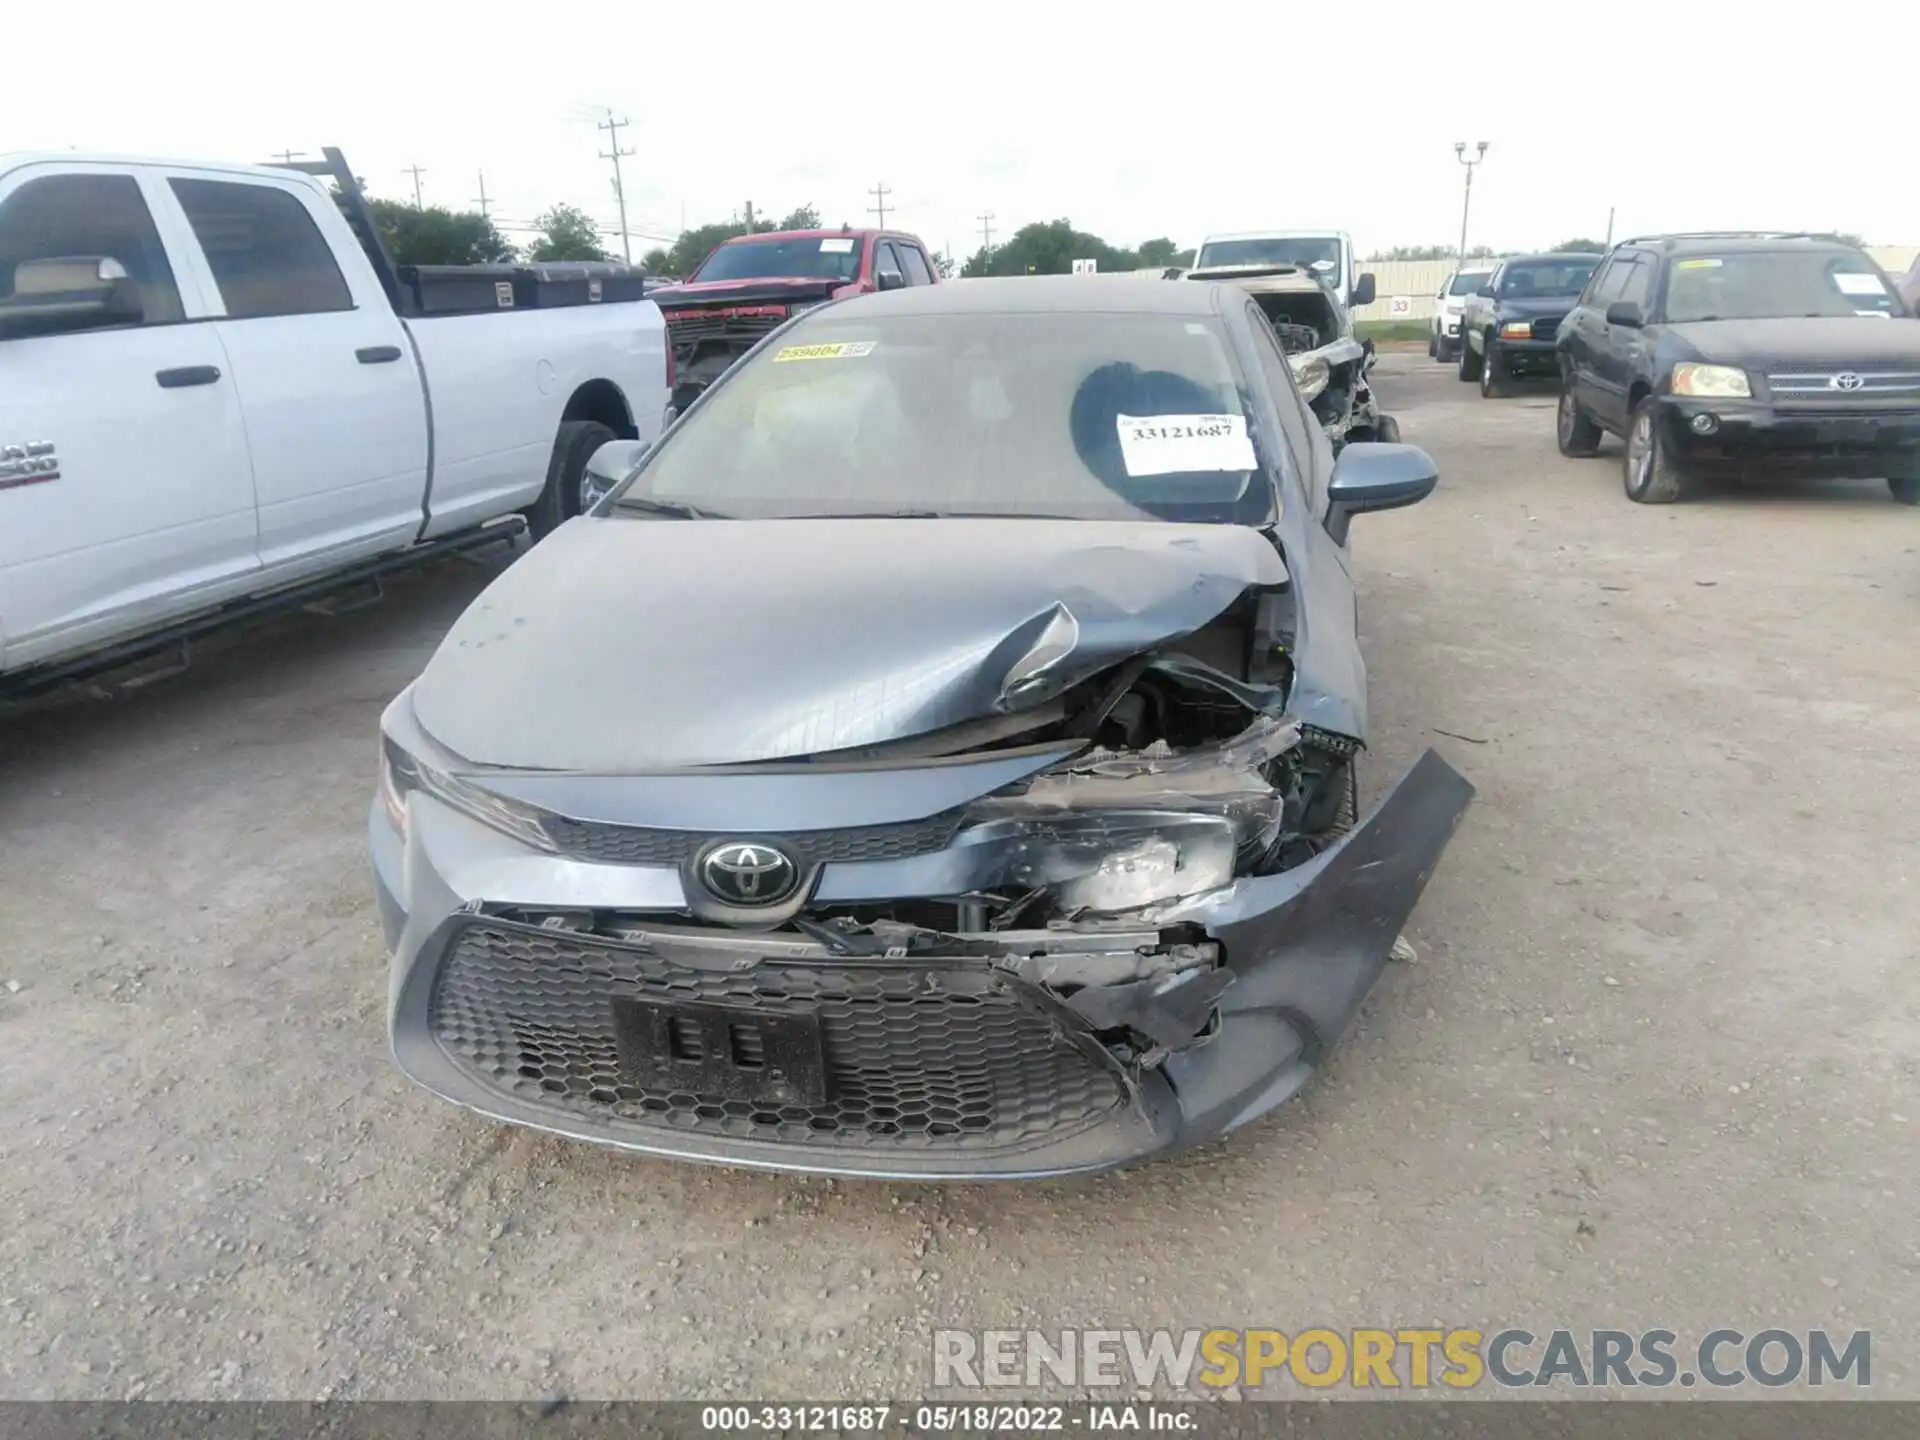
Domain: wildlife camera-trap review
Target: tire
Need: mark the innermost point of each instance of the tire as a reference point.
(1493, 374)
(1469, 362)
(1387, 430)
(1579, 437)
(1905, 488)
(573, 446)
(1651, 475)
(1433, 346)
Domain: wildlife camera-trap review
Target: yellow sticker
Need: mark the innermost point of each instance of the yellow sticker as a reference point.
(844, 350)
(1696, 264)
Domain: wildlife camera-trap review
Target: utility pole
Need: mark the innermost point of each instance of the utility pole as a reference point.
(1460, 154)
(613, 128)
(880, 193)
(749, 214)
(482, 202)
(1609, 227)
(287, 157)
(415, 171)
(986, 234)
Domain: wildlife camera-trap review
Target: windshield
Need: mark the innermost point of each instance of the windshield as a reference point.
(812, 257)
(1547, 277)
(1468, 281)
(1320, 252)
(1081, 416)
(1772, 284)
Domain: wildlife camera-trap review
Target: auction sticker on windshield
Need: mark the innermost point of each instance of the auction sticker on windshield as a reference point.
(1858, 283)
(837, 245)
(1179, 444)
(843, 350)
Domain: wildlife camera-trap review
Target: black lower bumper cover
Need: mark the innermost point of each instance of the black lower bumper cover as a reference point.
(1301, 951)
(1871, 445)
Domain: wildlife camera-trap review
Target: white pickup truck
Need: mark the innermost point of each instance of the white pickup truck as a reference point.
(218, 395)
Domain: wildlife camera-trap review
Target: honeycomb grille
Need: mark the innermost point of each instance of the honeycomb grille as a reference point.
(918, 1058)
(634, 845)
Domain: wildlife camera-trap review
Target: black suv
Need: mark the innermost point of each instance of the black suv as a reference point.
(1507, 327)
(1732, 354)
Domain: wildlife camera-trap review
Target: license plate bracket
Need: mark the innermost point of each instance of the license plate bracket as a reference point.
(722, 1051)
(1847, 432)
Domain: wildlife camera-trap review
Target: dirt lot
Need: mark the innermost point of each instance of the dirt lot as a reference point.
(1655, 1065)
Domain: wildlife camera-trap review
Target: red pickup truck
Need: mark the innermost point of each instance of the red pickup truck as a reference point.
(752, 283)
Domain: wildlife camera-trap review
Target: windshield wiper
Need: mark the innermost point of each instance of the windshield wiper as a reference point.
(666, 509)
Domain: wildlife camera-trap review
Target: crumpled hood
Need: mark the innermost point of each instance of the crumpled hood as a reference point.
(624, 645)
(1834, 341)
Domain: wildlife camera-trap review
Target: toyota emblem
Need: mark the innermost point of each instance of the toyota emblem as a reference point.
(1847, 380)
(749, 872)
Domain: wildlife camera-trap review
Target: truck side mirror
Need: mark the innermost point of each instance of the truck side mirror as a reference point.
(889, 279)
(72, 292)
(1363, 290)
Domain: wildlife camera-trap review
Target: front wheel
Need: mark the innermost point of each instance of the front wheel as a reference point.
(1493, 372)
(1469, 362)
(1573, 427)
(1652, 476)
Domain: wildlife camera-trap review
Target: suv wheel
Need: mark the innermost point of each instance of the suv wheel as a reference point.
(1573, 427)
(1493, 372)
(1469, 362)
(1652, 476)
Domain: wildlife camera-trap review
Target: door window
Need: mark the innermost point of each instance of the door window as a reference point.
(885, 259)
(1608, 284)
(1638, 286)
(917, 272)
(267, 255)
(75, 216)
(1298, 440)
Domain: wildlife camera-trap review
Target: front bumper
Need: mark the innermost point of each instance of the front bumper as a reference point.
(1528, 357)
(1747, 436)
(954, 1066)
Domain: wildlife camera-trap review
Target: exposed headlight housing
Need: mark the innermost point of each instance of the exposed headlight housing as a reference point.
(1712, 382)
(401, 774)
(1516, 330)
(1310, 375)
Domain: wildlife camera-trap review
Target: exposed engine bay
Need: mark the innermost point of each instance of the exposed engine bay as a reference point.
(1330, 366)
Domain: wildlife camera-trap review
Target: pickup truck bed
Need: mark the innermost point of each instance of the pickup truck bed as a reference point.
(221, 389)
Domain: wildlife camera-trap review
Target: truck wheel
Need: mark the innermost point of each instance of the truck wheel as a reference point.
(1469, 362)
(1652, 476)
(567, 475)
(1433, 345)
(1386, 430)
(1905, 488)
(1574, 428)
(1493, 372)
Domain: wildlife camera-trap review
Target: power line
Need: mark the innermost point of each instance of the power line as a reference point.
(415, 171)
(880, 193)
(287, 157)
(613, 128)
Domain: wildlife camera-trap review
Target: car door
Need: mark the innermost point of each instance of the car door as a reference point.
(1619, 348)
(132, 497)
(1581, 332)
(914, 263)
(336, 416)
(884, 258)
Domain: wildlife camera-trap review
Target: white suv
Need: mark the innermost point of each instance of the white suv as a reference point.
(1443, 330)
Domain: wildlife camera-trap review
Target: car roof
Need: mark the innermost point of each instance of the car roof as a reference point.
(1274, 235)
(1545, 256)
(1736, 244)
(822, 233)
(1040, 295)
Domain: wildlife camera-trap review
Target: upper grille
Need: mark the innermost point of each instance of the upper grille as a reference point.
(1820, 385)
(1547, 328)
(638, 845)
(688, 328)
(918, 1057)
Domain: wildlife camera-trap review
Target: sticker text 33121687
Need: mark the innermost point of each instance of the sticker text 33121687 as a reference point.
(1184, 444)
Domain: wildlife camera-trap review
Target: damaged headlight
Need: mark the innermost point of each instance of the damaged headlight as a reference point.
(1310, 376)
(401, 774)
(1111, 832)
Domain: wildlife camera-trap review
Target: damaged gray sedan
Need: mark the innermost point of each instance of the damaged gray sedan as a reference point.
(935, 758)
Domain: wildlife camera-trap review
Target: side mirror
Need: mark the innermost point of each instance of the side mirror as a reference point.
(889, 279)
(1485, 291)
(74, 292)
(1373, 476)
(1625, 312)
(611, 465)
(1363, 290)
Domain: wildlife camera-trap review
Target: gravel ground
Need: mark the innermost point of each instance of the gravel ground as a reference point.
(1655, 1064)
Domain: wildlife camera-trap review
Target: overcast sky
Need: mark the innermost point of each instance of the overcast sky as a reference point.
(1184, 119)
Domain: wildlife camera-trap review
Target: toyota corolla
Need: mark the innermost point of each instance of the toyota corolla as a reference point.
(936, 757)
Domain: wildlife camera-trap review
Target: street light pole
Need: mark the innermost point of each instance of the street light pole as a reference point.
(1460, 154)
